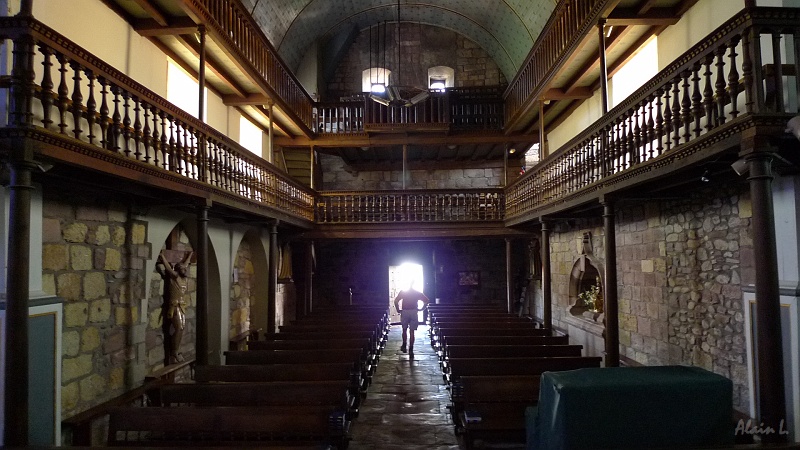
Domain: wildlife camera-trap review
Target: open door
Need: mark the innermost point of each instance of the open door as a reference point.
(401, 277)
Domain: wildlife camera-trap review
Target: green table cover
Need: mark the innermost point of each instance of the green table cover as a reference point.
(631, 407)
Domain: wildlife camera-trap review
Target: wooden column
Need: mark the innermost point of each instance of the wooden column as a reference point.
(769, 350)
(201, 334)
(509, 277)
(311, 161)
(405, 159)
(547, 288)
(542, 135)
(601, 29)
(201, 96)
(505, 165)
(309, 290)
(610, 301)
(272, 280)
(17, 297)
(271, 135)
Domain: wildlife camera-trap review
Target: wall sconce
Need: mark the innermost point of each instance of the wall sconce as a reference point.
(705, 177)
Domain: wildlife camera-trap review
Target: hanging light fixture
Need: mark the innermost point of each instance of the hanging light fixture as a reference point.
(395, 94)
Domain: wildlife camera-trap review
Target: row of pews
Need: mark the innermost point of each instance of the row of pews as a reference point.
(298, 388)
(492, 362)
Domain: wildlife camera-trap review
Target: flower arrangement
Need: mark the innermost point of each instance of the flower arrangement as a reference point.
(589, 296)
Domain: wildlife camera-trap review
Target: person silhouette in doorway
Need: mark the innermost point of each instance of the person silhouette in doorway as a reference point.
(409, 302)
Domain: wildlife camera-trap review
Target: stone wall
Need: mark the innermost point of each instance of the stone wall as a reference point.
(94, 258)
(422, 47)
(337, 176)
(680, 268)
(363, 265)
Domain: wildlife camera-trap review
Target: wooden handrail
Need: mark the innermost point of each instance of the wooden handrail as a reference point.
(700, 92)
(231, 23)
(410, 206)
(81, 97)
(568, 24)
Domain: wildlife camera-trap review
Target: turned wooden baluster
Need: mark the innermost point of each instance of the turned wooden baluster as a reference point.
(659, 123)
(164, 142)
(733, 76)
(627, 140)
(637, 137)
(156, 138)
(650, 133)
(137, 129)
(676, 111)
(708, 93)
(104, 132)
(721, 95)
(91, 107)
(116, 120)
(668, 115)
(77, 100)
(697, 102)
(180, 150)
(173, 158)
(63, 94)
(146, 131)
(126, 123)
(686, 107)
(47, 86)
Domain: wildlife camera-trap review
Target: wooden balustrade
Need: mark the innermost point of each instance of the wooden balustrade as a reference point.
(60, 87)
(712, 84)
(569, 23)
(410, 206)
(479, 108)
(339, 117)
(236, 25)
(432, 112)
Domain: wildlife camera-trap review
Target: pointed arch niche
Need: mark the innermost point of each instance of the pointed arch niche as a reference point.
(586, 284)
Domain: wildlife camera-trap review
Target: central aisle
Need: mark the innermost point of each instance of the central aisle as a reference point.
(406, 405)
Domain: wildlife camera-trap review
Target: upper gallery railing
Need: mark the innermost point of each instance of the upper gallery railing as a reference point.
(568, 24)
(464, 109)
(60, 87)
(410, 206)
(736, 71)
(237, 26)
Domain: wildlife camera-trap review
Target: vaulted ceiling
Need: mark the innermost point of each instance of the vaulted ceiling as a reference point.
(506, 29)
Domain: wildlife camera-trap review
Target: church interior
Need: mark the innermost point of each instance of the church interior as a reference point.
(209, 207)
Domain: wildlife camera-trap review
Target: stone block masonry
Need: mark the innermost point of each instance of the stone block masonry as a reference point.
(680, 267)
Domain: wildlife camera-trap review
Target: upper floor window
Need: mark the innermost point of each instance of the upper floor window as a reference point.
(441, 77)
(183, 90)
(634, 73)
(375, 80)
(250, 136)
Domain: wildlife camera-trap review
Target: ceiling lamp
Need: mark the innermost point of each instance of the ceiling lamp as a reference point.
(394, 95)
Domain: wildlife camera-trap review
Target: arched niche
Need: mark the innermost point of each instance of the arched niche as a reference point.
(586, 275)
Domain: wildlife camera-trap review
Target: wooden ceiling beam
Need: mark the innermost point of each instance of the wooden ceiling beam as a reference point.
(386, 140)
(593, 65)
(246, 100)
(174, 27)
(576, 93)
(630, 16)
(153, 11)
(276, 126)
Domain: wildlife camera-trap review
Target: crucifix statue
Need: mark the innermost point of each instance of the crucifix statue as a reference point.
(177, 277)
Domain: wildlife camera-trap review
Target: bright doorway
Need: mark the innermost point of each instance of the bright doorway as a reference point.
(401, 277)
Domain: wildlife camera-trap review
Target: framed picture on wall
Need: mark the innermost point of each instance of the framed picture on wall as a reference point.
(469, 278)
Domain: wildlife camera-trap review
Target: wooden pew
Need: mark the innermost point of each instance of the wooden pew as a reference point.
(458, 367)
(501, 351)
(499, 401)
(335, 394)
(227, 426)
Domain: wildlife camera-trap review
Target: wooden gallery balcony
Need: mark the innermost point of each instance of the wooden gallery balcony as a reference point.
(721, 99)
